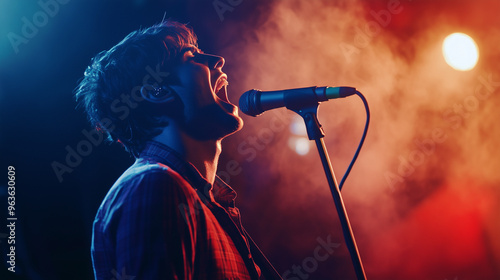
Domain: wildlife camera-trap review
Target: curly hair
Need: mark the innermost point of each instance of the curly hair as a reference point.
(115, 75)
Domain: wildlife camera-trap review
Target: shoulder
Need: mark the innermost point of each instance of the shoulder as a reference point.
(145, 188)
(147, 178)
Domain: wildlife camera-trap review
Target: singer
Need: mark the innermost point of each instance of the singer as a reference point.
(168, 216)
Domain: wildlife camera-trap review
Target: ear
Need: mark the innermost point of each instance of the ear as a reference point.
(158, 94)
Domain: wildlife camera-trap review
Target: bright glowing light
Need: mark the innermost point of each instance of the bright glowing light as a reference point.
(299, 144)
(297, 126)
(460, 51)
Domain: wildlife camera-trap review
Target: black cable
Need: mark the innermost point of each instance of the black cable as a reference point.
(360, 142)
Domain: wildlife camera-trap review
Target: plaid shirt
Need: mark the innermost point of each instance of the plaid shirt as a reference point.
(162, 220)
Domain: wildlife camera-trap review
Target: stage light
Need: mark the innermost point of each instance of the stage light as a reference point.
(460, 51)
(300, 145)
(299, 142)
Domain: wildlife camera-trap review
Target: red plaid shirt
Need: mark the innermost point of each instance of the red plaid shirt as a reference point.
(162, 220)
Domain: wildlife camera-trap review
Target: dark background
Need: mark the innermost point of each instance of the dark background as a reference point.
(437, 223)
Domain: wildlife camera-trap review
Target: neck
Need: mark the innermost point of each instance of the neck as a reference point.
(204, 155)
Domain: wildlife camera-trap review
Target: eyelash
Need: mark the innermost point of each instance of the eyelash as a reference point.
(193, 52)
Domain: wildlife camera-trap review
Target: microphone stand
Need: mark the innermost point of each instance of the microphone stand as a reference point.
(315, 132)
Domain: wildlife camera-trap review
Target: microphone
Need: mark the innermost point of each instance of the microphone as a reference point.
(254, 102)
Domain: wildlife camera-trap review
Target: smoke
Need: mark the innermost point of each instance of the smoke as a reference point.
(423, 194)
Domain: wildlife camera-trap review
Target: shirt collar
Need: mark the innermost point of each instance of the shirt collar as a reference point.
(220, 191)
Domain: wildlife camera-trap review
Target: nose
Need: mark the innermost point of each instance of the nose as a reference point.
(213, 61)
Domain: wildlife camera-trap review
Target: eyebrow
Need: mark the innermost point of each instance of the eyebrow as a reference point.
(190, 48)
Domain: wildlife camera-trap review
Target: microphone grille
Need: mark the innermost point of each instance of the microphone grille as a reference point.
(249, 103)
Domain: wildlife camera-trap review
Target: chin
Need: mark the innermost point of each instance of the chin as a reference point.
(231, 126)
(237, 126)
(213, 123)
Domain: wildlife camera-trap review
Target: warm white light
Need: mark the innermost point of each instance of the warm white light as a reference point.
(300, 145)
(460, 51)
(297, 126)
(299, 142)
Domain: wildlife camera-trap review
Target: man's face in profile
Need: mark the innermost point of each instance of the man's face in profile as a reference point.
(202, 88)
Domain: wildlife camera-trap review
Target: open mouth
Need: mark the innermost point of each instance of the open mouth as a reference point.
(221, 88)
